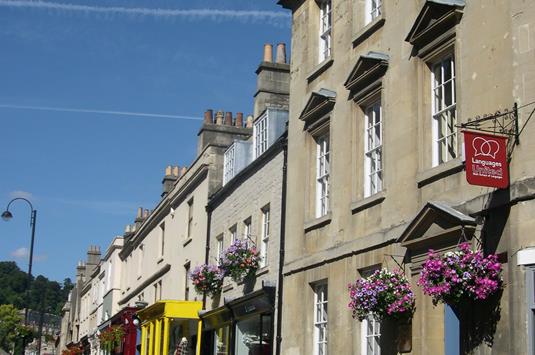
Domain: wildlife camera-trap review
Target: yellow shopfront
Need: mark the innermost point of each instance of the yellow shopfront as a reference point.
(171, 328)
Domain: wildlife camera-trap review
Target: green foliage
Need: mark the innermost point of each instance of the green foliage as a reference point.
(45, 295)
(11, 327)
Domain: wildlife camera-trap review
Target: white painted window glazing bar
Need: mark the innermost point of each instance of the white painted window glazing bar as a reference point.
(320, 319)
(373, 150)
(322, 175)
(265, 236)
(325, 30)
(444, 111)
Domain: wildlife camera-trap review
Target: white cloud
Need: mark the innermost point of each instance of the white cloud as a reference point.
(20, 253)
(21, 194)
(191, 14)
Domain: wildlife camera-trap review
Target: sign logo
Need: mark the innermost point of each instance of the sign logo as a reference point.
(486, 160)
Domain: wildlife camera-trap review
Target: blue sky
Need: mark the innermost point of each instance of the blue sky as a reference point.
(86, 173)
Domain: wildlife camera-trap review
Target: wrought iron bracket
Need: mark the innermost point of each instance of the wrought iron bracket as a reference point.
(505, 123)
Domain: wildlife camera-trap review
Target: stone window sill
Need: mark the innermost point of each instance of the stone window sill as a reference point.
(159, 260)
(319, 69)
(368, 30)
(186, 242)
(438, 172)
(368, 202)
(262, 271)
(318, 222)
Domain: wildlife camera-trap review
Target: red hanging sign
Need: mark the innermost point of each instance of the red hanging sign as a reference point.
(486, 159)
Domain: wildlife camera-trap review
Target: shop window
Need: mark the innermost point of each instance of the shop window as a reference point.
(253, 336)
(371, 336)
(222, 341)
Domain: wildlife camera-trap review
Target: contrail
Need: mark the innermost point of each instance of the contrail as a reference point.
(157, 12)
(105, 112)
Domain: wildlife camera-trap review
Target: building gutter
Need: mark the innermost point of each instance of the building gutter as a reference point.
(207, 247)
(281, 248)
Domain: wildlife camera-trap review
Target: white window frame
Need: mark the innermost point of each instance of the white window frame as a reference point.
(220, 246)
(325, 38)
(161, 240)
(233, 232)
(261, 135)
(373, 149)
(374, 9)
(190, 218)
(266, 218)
(322, 174)
(229, 163)
(320, 319)
(247, 228)
(370, 336)
(444, 115)
(140, 255)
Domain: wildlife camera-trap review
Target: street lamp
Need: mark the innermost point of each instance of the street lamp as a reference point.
(7, 216)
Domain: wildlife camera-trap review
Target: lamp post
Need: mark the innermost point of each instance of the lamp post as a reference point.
(6, 216)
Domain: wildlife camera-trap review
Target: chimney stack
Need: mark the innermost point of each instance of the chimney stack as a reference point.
(168, 181)
(222, 132)
(268, 53)
(273, 81)
(239, 120)
(139, 215)
(249, 123)
(228, 118)
(209, 116)
(281, 53)
(219, 117)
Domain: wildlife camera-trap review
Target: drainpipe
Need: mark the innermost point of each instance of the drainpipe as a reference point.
(207, 251)
(281, 248)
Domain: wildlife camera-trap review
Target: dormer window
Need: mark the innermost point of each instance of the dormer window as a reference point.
(261, 135)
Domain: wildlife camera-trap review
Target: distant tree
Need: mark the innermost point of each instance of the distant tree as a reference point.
(11, 328)
(44, 295)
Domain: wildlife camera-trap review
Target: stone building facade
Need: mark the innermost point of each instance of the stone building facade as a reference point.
(249, 207)
(376, 171)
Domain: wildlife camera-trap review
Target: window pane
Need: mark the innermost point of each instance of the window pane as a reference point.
(448, 98)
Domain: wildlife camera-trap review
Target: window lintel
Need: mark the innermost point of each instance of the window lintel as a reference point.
(317, 107)
(435, 18)
(366, 75)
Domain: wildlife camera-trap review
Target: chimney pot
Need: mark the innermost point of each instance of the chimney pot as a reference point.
(281, 53)
(139, 212)
(168, 170)
(239, 120)
(209, 116)
(183, 171)
(175, 171)
(228, 118)
(268, 53)
(219, 117)
(249, 122)
(146, 213)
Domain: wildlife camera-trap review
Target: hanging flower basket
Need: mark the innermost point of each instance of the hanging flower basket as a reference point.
(111, 337)
(385, 294)
(240, 260)
(73, 350)
(460, 275)
(207, 278)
